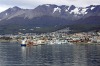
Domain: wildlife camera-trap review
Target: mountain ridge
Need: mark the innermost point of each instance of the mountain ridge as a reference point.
(62, 11)
(48, 15)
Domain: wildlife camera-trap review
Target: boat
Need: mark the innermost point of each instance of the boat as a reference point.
(23, 42)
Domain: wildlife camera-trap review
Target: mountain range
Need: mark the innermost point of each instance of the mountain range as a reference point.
(50, 17)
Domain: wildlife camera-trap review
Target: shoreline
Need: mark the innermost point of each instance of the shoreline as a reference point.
(87, 43)
(80, 43)
(8, 41)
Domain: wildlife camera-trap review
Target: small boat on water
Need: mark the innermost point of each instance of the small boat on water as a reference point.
(23, 42)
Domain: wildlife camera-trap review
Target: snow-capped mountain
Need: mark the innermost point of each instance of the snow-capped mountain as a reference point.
(63, 11)
(48, 15)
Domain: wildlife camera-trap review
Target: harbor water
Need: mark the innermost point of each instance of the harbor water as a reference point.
(12, 54)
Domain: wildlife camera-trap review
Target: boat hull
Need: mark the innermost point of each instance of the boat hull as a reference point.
(23, 44)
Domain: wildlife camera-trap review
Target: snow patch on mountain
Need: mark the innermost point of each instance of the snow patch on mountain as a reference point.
(68, 8)
(47, 5)
(84, 11)
(92, 8)
(79, 11)
(6, 14)
(75, 11)
(56, 9)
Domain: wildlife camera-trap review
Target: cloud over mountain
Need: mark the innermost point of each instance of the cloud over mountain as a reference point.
(34, 3)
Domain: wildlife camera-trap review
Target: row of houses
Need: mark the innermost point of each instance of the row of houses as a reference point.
(89, 37)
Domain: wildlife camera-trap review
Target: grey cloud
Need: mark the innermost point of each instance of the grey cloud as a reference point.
(34, 3)
(30, 3)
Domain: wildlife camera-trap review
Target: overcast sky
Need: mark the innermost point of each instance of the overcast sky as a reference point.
(30, 4)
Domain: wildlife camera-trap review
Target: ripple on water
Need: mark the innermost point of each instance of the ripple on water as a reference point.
(49, 55)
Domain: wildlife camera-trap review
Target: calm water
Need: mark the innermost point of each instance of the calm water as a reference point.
(12, 54)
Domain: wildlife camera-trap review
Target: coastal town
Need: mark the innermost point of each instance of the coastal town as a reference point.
(53, 38)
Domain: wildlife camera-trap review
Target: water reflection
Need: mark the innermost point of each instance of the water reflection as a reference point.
(80, 58)
(49, 55)
(23, 50)
(93, 55)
